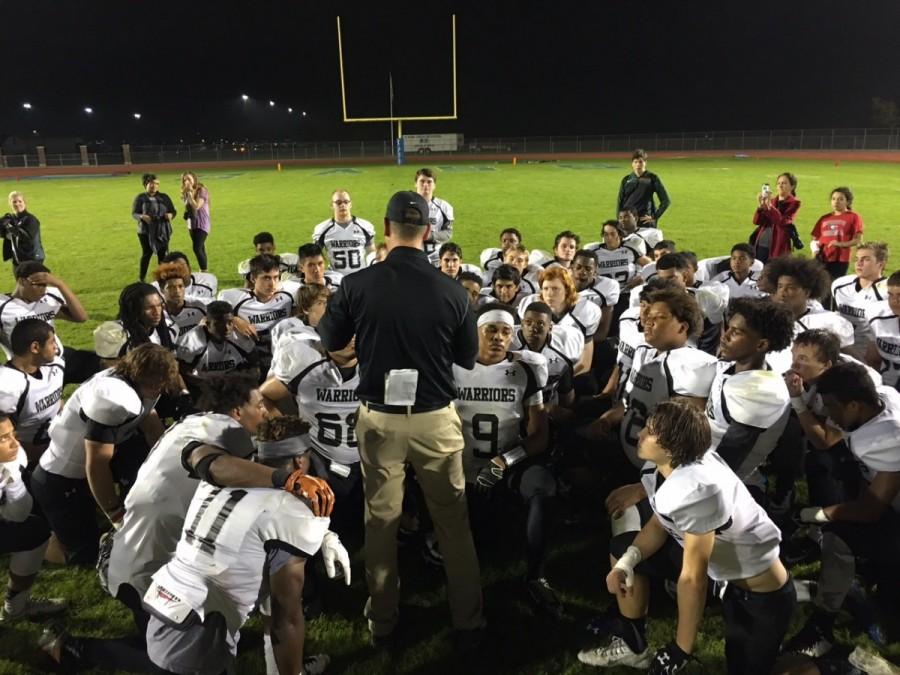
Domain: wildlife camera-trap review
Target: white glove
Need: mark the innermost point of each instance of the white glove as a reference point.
(813, 514)
(333, 550)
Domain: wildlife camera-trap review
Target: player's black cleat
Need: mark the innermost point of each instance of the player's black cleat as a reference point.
(811, 640)
(543, 598)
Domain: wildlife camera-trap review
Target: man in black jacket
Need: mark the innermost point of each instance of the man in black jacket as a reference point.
(21, 232)
(637, 190)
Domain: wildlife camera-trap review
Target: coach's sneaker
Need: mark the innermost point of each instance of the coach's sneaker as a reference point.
(616, 653)
(543, 597)
(32, 609)
(59, 646)
(872, 663)
(431, 551)
(811, 640)
(315, 665)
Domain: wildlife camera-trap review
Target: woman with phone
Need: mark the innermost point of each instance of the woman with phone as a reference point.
(196, 212)
(775, 234)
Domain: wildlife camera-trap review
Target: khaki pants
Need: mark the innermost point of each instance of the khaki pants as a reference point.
(432, 443)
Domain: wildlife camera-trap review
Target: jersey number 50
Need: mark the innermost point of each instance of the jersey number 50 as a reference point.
(346, 259)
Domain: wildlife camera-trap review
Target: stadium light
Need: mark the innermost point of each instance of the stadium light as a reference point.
(89, 110)
(27, 106)
(137, 116)
(244, 97)
(290, 110)
(271, 104)
(304, 113)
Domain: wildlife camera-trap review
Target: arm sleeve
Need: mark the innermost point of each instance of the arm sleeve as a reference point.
(664, 201)
(100, 433)
(465, 341)
(337, 327)
(565, 384)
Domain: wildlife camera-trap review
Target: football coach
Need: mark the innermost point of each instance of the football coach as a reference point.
(411, 324)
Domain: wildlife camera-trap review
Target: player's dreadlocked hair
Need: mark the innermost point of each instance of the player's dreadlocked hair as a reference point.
(808, 272)
(682, 429)
(131, 309)
(279, 428)
(772, 321)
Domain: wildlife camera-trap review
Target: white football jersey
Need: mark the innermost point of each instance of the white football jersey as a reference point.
(648, 271)
(158, 501)
(346, 243)
(325, 395)
(739, 289)
(13, 310)
(637, 243)
(105, 399)
(885, 327)
(852, 300)
(203, 287)
(619, 264)
(651, 236)
(707, 496)
(264, 315)
(754, 398)
(604, 292)
(492, 402)
(440, 216)
(490, 259)
(584, 315)
(233, 295)
(291, 283)
(204, 356)
(631, 336)
(32, 400)
(561, 351)
(876, 444)
(220, 558)
(655, 377)
(708, 268)
(190, 316)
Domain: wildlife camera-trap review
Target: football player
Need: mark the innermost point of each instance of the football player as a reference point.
(565, 245)
(201, 286)
(602, 291)
(440, 216)
(184, 312)
(472, 283)
(507, 286)
(31, 385)
(884, 352)
(215, 347)
(24, 534)
(311, 269)
(853, 294)
(346, 238)
(75, 474)
(500, 403)
(855, 498)
(702, 524)
(143, 318)
(492, 258)
(740, 279)
(648, 234)
(617, 259)
(235, 539)
(264, 244)
(450, 257)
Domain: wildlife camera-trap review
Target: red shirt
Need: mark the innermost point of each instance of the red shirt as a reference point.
(837, 227)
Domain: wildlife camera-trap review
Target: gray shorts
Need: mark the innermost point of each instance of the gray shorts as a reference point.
(194, 648)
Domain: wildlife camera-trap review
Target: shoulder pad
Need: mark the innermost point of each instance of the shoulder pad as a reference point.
(609, 288)
(757, 398)
(588, 313)
(243, 267)
(537, 362)
(712, 297)
(569, 340)
(291, 521)
(294, 356)
(110, 401)
(487, 255)
(233, 295)
(538, 257)
(191, 343)
(648, 271)
(693, 507)
(692, 370)
(706, 268)
(220, 431)
(524, 302)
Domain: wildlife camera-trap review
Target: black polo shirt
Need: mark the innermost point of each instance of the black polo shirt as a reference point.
(405, 314)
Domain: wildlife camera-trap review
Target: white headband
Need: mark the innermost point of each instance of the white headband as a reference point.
(496, 316)
(287, 447)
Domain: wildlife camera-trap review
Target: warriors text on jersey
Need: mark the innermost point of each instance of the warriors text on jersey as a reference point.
(13, 310)
(619, 264)
(205, 356)
(346, 243)
(264, 315)
(492, 402)
(885, 327)
(325, 395)
(32, 400)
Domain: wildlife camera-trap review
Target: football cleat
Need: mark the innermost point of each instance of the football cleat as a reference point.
(36, 609)
(810, 641)
(872, 663)
(316, 664)
(616, 653)
(543, 597)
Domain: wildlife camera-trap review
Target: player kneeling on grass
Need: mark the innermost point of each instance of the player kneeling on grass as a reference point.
(233, 540)
(497, 399)
(23, 533)
(704, 524)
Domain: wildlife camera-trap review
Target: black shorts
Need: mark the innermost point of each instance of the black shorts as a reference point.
(70, 509)
(24, 536)
(755, 624)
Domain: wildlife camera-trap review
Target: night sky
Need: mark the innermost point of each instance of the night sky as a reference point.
(613, 67)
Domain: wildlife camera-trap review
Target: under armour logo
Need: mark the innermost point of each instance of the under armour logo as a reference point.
(510, 372)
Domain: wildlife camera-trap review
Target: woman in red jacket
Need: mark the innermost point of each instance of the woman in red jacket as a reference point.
(774, 220)
(837, 232)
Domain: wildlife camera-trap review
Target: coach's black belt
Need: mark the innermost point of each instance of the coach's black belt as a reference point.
(402, 409)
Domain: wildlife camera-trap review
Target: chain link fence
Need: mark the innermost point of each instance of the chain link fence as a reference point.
(703, 141)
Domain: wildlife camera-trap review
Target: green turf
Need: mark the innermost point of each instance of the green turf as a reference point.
(90, 241)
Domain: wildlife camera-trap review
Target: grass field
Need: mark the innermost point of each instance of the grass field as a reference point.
(90, 242)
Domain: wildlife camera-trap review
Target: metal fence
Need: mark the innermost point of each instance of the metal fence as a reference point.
(736, 141)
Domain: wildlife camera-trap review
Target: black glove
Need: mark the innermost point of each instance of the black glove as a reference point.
(669, 660)
(488, 477)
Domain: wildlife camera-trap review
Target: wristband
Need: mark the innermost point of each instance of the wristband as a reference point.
(798, 404)
(117, 517)
(280, 477)
(517, 454)
(629, 560)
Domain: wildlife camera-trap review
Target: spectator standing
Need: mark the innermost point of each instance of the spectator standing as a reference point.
(153, 210)
(407, 344)
(837, 232)
(196, 213)
(775, 233)
(21, 232)
(637, 190)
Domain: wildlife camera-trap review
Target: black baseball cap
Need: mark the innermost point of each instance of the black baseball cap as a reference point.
(409, 208)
